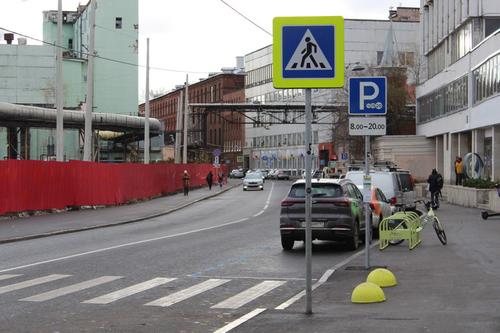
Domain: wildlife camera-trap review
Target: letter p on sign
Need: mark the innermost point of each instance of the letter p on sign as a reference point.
(368, 95)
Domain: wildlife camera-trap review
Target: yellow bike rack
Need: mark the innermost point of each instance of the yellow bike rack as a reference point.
(404, 225)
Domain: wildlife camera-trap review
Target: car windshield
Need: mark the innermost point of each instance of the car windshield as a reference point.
(253, 175)
(318, 190)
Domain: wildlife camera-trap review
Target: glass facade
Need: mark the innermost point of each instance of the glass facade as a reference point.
(487, 79)
(445, 100)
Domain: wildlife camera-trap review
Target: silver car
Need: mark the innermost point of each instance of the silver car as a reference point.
(337, 212)
(253, 181)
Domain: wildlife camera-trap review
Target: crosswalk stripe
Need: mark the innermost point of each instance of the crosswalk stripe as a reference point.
(8, 276)
(70, 289)
(132, 290)
(187, 293)
(33, 282)
(248, 295)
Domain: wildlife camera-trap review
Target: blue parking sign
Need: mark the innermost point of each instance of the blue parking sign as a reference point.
(368, 95)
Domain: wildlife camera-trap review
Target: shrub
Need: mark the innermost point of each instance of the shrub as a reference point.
(479, 183)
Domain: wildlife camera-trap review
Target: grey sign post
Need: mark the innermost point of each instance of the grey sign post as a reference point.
(367, 96)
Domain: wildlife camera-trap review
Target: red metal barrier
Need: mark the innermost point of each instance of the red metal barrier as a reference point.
(40, 185)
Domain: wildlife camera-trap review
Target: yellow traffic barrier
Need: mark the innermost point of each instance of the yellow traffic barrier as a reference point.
(367, 292)
(400, 226)
(382, 277)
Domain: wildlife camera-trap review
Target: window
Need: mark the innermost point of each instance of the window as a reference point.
(118, 23)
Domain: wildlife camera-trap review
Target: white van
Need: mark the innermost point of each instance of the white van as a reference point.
(387, 181)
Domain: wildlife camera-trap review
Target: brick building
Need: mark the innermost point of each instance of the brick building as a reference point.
(207, 130)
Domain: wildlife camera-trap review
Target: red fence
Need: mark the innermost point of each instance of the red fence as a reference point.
(39, 185)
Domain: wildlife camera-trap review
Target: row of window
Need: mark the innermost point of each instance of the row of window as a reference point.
(280, 140)
(259, 76)
(447, 99)
(454, 96)
(487, 79)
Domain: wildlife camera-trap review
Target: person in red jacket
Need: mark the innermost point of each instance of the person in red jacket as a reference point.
(185, 182)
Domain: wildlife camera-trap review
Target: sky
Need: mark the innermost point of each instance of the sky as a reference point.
(196, 37)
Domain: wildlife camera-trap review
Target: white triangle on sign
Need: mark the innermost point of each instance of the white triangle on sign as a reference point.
(308, 56)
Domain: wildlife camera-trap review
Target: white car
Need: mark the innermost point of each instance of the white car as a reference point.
(253, 181)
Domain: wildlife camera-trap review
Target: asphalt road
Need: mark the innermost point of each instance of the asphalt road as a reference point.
(194, 270)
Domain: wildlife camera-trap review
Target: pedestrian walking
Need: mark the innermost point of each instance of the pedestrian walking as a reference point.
(210, 179)
(221, 179)
(459, 171)
(185, 182)
(435, 181)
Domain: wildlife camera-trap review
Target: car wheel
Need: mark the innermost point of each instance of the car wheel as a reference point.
(353, 242)
(287, 243)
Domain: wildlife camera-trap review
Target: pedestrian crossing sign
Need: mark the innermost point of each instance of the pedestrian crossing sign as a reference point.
(308, 52)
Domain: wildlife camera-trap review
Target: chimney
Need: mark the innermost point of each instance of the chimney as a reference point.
(9, 38)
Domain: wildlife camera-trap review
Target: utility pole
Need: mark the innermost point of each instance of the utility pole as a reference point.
(178, 126)
(146, 123)
(87, 147)
(186, 122)
(59, 88)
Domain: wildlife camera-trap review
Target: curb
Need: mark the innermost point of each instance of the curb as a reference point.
(100, 226)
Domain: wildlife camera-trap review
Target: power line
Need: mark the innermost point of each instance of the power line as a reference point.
(246, 18)
(101, 57)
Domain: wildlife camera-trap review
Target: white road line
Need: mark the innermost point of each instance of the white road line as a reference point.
(323, 279)
(132, 290)
(70, 289)
(267, 202)
(295, 298)
(259, 213)
(187, 293)
(123, 245)
(33, 282)
(240, 321)
(8, 276)
(248, 295)
(249, 277)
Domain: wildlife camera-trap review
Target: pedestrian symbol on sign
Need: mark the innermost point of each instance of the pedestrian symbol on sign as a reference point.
(308, 56)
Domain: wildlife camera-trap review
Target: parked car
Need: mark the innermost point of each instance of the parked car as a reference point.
(314, 174)
(408, 188)
(236, 173)
(380, 208)
(387, 181)
(272, 173)
(253, 181)
(337, 213)
(283, 174)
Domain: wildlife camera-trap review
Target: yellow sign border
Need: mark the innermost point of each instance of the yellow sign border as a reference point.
(279, 81)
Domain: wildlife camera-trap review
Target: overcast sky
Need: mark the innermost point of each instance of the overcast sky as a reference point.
(200, 35)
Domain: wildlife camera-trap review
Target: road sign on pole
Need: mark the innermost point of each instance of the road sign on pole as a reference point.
(308, 52)
(368, 95)
(367, 126)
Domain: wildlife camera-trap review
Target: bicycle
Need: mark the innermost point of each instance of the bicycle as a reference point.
(425, 218)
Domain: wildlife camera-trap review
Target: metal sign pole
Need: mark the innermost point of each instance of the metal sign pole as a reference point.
(367, 206)
(308, 242)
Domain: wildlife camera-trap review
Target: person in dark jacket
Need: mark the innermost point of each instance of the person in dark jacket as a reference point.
(435, 181)
(210, 180)
(185, 182)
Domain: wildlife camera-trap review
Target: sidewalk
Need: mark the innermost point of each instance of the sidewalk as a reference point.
(22, 228)
(452, 288)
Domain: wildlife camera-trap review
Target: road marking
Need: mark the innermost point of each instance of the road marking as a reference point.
(259, 213)
(267, 202)
(124, 245)
(323, 279)
(30, 283)
(248, 295)
(187, 293)
(249, 277)
(132, 290)
(295, 298)
(240, 321)
(8, 276)
(70, 289)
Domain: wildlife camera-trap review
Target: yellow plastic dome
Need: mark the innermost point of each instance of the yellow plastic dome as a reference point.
(367, 292)
(382, 277)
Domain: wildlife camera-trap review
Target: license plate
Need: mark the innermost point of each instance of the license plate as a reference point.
(314, 224)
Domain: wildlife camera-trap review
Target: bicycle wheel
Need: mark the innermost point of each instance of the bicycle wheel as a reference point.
(392, 225)
(438, 228)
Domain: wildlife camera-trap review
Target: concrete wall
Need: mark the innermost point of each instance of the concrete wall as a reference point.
(414, 153)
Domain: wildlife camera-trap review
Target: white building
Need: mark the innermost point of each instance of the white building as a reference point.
(459, 91)
(366, 43)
